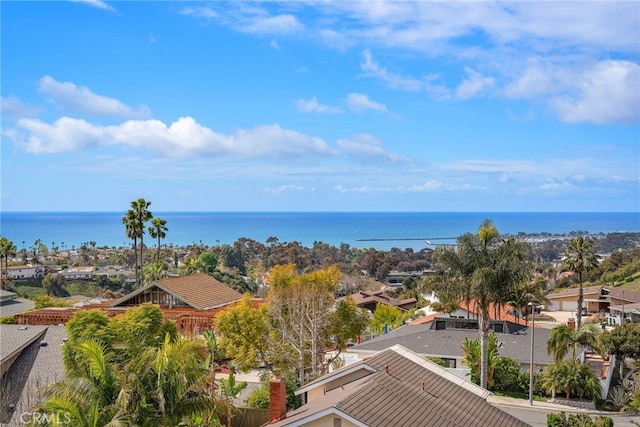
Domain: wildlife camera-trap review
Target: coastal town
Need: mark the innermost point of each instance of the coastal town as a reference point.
(279, 334)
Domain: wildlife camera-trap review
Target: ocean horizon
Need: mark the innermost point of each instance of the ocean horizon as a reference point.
(379, 230)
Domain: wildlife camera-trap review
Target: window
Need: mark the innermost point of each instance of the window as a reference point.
(449, 363)
(337, 422)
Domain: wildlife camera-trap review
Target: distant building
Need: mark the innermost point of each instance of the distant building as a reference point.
(24, 272)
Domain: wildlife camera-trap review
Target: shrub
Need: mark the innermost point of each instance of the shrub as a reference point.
(578, 420)
(8, 320)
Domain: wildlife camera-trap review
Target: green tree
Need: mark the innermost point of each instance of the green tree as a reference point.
(153, 272)
(245, 335)
(580, 258)
(207, 262)
(485, 269)
(135, 220)
(573, 379)
(473, 356)
(230, 389)
(347, 325)
(623, 341)
(386, 317)
(562, 339)
(7, 249)
(158, 230)
(54, 284)
(131, 370)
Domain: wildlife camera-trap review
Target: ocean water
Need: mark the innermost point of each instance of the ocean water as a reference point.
(379, 230)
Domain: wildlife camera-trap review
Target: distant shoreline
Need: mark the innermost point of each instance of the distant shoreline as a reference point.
(379, 230)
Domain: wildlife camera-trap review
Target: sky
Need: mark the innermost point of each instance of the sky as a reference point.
(321, 106)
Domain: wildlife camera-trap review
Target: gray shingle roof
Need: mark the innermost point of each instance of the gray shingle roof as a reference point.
(36, 367)
(423, 340)
(405, 390)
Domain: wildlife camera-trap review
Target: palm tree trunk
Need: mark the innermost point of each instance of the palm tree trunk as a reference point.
(484, 351)
(580, 300)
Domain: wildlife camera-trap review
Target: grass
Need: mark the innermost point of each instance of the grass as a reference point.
(30, 292)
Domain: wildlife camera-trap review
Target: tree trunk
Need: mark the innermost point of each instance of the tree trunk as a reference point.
(484, 351)
(580, 299)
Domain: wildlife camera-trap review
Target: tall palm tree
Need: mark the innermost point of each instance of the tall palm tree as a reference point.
(485, 269)
(134, 221)
(130, 223)
(562, 338)
(580, 257)
(158, 230)
(7, 249)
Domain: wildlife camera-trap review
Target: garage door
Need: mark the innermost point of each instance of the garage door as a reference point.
(569, 305)
(553, 306)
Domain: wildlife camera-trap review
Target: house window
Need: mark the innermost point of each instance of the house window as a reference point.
(449, 363)
(498, 328)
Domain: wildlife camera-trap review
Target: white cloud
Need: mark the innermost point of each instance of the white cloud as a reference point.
(368, 148)
(247, 18)
(287, 189)
(183, 138)
(430, 186)
(205, 12)
(262, 24)
(13, 107)
(81, 100)
(608, 92)
(473, 84)
(358, 102)
(96, 3)
(274, 44)
(395, 81)
(313, 106)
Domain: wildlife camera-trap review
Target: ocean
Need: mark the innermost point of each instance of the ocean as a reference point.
(379, 230)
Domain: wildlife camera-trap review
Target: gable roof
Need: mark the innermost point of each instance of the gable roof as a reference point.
(447, 343)
(362, 298)
(199, 291)
(610, 291)
(404, 389)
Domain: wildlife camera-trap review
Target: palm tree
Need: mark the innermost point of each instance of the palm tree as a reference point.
(485, 269)
(157, 386)
(134, 221)
(7, 249)
(562, 338)
(153, 272)
(580, 257)
(130, 223)
(158, 230)
(230, 390)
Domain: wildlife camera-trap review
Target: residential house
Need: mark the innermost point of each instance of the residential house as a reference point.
(24, 272)
(597, 299)
(79, 273)
(443, 337)
(369, 300)
(191, 301)
(393, 387)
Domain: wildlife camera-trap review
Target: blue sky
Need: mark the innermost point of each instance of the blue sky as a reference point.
(324, 106)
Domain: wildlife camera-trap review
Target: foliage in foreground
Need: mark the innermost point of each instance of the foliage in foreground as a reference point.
(578, 420)
(132, 369)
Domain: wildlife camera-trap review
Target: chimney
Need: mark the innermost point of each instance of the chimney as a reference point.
(277, 399)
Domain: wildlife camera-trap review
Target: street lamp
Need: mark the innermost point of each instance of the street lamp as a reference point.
(533, 324)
